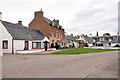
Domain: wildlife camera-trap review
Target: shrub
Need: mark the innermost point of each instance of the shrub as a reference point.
(117, 45)
(52, 45)
(86, 45)
(57, 46)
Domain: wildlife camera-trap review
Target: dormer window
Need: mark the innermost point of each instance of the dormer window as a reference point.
(50, 23)
(55, 24)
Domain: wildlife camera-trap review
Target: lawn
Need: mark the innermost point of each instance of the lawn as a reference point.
(82, 51)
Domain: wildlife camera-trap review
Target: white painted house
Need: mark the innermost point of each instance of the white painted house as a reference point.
(104, 41)
(0, 36)
(16, 37)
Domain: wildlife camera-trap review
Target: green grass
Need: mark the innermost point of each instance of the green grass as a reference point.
(82, 51)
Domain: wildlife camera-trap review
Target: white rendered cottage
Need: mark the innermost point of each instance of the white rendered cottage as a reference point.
(17, 37)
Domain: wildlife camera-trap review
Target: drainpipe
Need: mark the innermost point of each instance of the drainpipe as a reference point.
(12, 46)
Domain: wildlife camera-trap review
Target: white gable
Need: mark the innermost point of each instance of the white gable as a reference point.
(45, 39)
(5, 36)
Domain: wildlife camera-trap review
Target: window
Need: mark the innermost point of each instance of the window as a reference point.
(57, 34)
(53, 41)
(103, 39)
(52, 32)
(62, 44)
(36, 45)
(110, 39)
(94, 40)
(100, 39)
(58, 42)
(33, 44)
(5, 44)
(61, 35)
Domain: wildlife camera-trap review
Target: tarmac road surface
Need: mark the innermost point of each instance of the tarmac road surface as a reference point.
(61, 66)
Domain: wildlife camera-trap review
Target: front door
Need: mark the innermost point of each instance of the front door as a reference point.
(26, 45)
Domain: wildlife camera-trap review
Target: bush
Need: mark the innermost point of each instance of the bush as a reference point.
(63, 48)
(86, 45)
(117, 45)
(52, 45)
(57, 46)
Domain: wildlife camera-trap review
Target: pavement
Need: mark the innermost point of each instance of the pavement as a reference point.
(0, 67)
(90, 65)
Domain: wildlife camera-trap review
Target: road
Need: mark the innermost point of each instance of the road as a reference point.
(61, 66)
(0, 67)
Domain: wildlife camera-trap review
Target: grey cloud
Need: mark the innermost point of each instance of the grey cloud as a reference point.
(86, 14)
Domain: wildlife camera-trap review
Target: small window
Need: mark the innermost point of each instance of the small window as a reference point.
(5, 44)
(53, 33)
(56, 34)
(36, 45)
(62, 44)
(53, 41)
(59, 35)
(33, 45)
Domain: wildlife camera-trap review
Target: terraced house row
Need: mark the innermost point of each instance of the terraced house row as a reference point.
(38, 36)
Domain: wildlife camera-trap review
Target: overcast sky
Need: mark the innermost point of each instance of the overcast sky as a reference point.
(76, 16)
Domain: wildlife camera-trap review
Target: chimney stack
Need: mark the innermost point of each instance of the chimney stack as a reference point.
(38, 14)
(20, 23)
(56, 21)
(0, 16)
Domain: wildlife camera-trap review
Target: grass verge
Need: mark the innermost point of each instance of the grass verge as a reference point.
(82, 51)
(75, 51)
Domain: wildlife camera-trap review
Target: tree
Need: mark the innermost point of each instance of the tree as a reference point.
(106, 34)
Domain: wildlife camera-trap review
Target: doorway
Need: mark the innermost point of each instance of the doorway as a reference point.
(26, 45)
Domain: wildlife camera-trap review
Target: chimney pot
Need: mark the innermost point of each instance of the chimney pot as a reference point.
(20, 23)
(38, 14)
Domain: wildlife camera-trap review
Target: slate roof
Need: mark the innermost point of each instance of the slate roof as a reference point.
(69, 38)
(19, 32)
(52, 23)
(114, 39)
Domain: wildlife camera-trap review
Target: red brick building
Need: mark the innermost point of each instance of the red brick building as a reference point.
(49, 28)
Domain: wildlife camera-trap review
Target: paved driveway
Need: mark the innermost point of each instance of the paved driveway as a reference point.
(60, 66)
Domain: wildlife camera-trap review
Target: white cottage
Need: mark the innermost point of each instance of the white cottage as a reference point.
(17, 37)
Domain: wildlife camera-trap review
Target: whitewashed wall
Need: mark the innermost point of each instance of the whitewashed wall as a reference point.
(0, 38)
(90, 44)
(76, 44)
(113, 44)
(6, 36)
(20, 45)
(42, 45)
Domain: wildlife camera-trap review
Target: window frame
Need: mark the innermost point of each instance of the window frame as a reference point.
(3, 44)
(36, 45)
